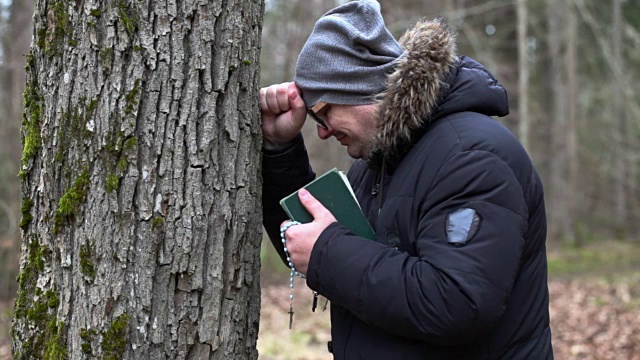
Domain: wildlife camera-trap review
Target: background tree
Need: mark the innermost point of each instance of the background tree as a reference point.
(15, 36)
(622, 167)
(140, 181)
(574, 200)
(556, 40)
(523, 72)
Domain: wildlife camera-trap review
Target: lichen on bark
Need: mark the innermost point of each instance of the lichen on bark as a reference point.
(45, 337)
(59, 29)
(128, 17)
(33, 110)
(36, 256)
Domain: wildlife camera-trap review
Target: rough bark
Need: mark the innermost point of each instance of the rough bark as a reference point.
(140, 178)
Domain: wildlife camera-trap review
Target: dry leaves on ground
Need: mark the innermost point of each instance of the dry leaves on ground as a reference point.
(595, 319)
(591, 319)
(307, 340)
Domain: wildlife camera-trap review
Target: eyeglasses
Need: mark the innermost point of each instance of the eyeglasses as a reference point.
(313, 112)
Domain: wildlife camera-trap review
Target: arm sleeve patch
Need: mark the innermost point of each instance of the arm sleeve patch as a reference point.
(461, 225)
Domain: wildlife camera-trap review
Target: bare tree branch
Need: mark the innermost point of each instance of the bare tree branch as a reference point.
(631, 98)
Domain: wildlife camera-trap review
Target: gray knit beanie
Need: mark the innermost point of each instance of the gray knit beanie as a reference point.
(348, 56)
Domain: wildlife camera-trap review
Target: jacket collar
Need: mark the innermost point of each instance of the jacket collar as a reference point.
(414, 89)
(429, 82)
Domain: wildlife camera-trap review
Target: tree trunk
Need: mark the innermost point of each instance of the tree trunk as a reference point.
(621, 171)
(572, 127)
(15, 43)
(560, 227)
(140, 179)
(573, 198)
(523, 73)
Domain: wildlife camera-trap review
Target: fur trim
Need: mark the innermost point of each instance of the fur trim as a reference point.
(415, 88)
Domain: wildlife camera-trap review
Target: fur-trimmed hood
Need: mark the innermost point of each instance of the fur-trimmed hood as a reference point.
(430, 81)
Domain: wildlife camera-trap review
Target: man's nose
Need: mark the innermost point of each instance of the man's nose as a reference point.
(325, 134)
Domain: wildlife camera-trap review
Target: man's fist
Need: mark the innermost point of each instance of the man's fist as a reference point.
(283, 113)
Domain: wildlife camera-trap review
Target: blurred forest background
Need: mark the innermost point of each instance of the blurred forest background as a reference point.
(572, 70)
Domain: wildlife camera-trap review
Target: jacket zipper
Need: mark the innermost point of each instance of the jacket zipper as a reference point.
(378, 188)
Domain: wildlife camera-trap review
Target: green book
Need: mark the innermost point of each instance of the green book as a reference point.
(333, 190)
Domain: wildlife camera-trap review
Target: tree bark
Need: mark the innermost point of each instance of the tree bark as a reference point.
(141, 184)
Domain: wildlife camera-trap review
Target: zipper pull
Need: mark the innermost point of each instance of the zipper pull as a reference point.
(315, 301)
(375, 189)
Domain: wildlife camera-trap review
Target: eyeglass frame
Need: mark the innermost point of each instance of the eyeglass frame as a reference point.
(312, 111)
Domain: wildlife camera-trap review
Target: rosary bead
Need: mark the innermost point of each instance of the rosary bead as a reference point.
(293, 269)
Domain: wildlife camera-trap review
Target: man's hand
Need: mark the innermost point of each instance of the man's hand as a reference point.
(283, 113)
(301, 238)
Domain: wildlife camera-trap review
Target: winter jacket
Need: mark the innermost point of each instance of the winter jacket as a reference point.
(458, 269)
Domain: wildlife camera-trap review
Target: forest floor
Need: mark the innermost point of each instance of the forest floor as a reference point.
(594, 306)
(594, 302)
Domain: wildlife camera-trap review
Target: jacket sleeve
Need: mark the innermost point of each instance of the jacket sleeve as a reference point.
(282, 173)
(445, 294)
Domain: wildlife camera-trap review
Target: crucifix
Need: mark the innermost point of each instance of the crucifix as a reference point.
(290, 317)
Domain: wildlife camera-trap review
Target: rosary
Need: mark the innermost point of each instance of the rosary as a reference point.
(283, 229)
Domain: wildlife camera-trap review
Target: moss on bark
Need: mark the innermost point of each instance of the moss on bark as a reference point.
(114, 339)
(87, 253)
(70, 203)
(45, 338)
(87, 336)
(27, 204)
(33, 109)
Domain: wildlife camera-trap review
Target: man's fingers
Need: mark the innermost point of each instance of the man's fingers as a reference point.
(272, 100)
(282, 97)
(314, 207)
(263, 102)
(275, 98)
(298, 107)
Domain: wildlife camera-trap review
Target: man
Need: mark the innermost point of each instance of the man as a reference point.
(458, 269)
